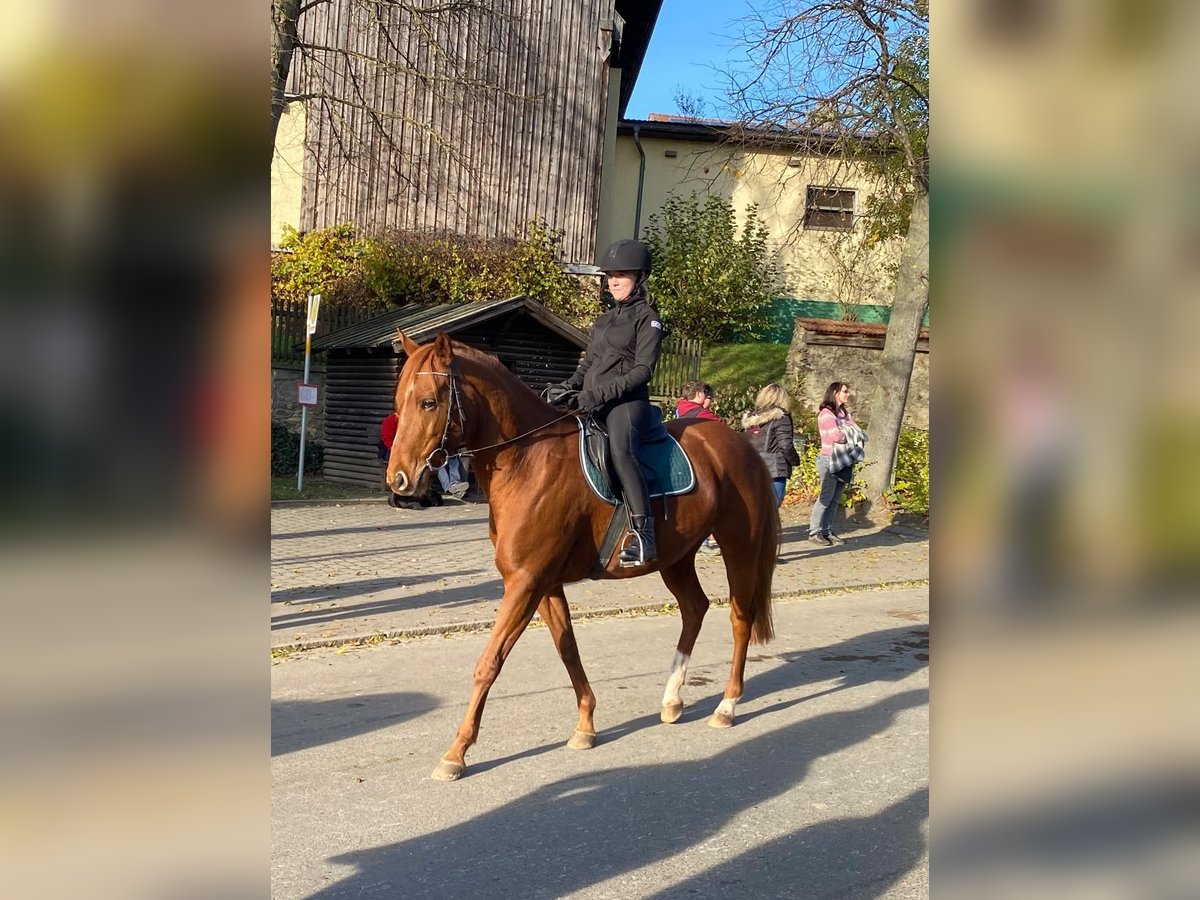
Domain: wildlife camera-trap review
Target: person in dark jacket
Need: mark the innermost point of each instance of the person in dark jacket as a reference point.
(769, 427)
(613, 381)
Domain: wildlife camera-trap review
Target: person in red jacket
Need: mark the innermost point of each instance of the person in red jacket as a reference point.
(696, 402)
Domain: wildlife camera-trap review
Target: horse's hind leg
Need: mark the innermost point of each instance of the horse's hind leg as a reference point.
(516, 609)
(681, 580)
(742, 581)
(557, 616)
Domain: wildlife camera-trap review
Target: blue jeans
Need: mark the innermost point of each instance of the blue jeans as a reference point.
(825, 507)
(450, 473)
(780, 486)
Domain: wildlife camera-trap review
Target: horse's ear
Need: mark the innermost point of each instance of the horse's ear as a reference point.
(442, 351)
(410, 346)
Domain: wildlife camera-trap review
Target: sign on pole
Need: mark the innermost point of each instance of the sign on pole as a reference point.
(306, 394)
(314, 303)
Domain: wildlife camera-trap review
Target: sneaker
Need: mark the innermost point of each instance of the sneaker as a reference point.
(710, 548)
(820, 540)
(835, 539)
(458, 489)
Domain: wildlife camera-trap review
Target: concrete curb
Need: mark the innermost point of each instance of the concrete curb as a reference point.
(476, 625)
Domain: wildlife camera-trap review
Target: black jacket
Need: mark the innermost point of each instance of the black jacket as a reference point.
(770, 431)
(621, 354)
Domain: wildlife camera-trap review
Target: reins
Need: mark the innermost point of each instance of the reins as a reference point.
(456, 405)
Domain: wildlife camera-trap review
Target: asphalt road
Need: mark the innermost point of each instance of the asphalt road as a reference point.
(820, 790)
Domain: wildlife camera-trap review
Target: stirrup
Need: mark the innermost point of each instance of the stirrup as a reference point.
(627, 545)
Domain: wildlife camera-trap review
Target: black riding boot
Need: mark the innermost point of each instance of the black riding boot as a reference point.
(640, 549)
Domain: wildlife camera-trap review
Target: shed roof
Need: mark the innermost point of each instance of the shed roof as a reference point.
(422, 323)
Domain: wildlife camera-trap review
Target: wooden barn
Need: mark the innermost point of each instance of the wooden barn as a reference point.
(471, 118)
(361, 368)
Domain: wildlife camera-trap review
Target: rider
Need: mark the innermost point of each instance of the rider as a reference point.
(613, 382)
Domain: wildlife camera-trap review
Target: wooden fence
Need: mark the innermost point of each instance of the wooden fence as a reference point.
(288, 318)
(678, 363)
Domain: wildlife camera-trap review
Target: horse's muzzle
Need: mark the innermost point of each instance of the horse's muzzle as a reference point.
(399, 483)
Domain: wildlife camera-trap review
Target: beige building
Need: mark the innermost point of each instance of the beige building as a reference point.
(810, 200)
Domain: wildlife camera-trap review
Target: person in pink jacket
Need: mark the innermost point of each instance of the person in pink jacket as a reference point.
(832, 412)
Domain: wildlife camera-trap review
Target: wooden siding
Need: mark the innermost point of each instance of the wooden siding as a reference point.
(440, 155)
(359, 391)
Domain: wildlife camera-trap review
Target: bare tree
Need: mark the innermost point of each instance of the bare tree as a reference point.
(858, 72)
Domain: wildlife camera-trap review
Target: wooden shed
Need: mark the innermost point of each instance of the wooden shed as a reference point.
(361, 368)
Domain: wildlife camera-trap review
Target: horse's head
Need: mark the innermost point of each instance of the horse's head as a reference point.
(428, 403)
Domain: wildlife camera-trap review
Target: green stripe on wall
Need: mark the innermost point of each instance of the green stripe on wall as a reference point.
(784, 310)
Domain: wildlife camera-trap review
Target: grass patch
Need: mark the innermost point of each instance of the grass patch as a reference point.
(737, 371)
(740, 367)
(318, 489)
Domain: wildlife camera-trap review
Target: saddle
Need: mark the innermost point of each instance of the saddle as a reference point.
(667, 469)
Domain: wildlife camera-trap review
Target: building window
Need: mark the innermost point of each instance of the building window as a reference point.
(827, 207)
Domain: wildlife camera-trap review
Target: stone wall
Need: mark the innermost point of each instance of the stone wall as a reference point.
(285, 409)
(812, 365)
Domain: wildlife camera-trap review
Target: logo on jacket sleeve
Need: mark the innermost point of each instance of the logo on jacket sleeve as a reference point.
(654, 323)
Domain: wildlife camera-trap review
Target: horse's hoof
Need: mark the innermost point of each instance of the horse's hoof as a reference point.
(671, 713)
(582, 740)
(448, 770)
(721, 720)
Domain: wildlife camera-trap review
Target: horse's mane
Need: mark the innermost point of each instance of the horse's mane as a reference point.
(498, 371)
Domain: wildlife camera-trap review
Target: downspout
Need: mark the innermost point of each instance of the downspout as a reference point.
(637, 214)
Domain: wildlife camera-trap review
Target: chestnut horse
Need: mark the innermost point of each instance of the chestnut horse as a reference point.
(547, 525)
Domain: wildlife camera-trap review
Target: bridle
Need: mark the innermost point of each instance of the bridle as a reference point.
(455, 405)
(439, 457)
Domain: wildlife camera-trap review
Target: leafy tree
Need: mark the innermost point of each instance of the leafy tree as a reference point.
(857, 71)
(427, 268)
(709, 282)
(326, 261)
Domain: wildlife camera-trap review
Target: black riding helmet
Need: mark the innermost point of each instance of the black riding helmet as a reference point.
(625, 256)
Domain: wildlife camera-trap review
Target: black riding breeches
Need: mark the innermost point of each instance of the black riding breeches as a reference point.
(625, 420)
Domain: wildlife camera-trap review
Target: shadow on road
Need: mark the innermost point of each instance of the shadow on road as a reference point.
(855, 857)
(580, 831)
(342, 589)
(796, 546)
(301, 724)
(358, 529)
(583, 830)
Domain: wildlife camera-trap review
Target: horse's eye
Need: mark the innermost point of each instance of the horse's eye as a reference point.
(428, 403)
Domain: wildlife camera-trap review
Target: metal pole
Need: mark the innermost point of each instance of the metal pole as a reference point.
(310, 325)
(304, 414)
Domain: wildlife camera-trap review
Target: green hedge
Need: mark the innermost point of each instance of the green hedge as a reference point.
(285, 452)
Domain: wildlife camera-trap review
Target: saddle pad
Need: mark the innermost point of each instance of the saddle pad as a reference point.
(668, 470)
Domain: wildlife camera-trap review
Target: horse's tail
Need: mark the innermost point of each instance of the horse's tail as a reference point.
(762, 627)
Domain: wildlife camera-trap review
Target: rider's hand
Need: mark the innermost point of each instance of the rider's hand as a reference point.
(587, 400)
(561, 395)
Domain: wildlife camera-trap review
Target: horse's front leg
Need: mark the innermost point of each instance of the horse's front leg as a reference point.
(521, 598)
(557, 616)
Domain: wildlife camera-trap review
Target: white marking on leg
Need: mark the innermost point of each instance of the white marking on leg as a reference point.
(678, 675)
(727, 706)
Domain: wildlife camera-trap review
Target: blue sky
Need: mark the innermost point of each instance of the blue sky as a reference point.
(690, 37)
